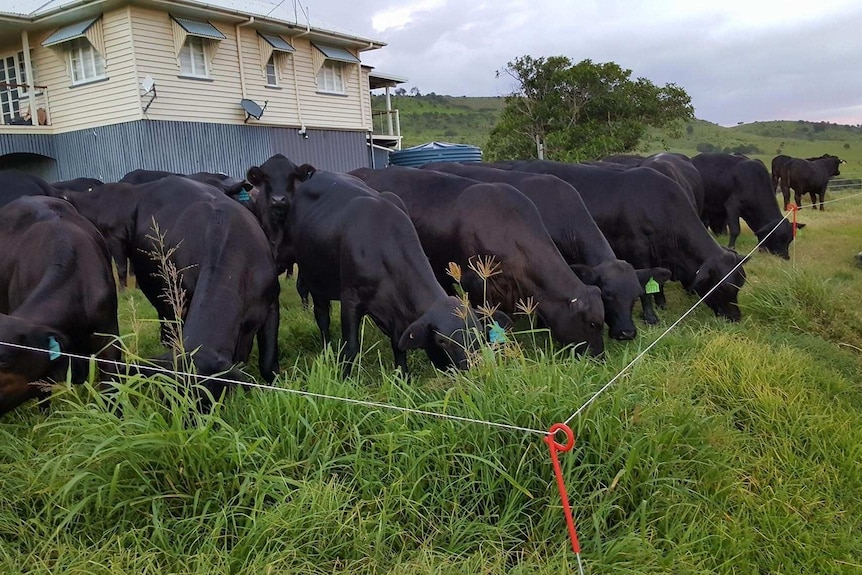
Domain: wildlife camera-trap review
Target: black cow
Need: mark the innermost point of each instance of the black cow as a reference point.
(359, 247)
(459, 221)
(78, 185)
(228, 275)
(14, 184)
(678, 167)
(809, 176)
(650, 222)
(57, 294)
(737, 187)
(579, 240)
(779, 164)
(230, 186)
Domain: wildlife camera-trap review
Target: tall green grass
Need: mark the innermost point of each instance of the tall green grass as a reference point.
(730, 448)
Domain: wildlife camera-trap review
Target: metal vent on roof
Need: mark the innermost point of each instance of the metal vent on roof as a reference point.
(277, 42)
(199, 28)
(69, 32)
(337, 54)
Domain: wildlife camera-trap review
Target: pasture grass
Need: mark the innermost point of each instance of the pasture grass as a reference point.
(730, 448)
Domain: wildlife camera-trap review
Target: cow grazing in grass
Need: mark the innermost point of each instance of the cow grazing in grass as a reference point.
(650, 222)
(459, 220)
(580, 241)
(227, 271)
(736, 187)
(359, 247)
(57, 294)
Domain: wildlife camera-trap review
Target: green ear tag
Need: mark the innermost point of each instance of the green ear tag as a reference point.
(652, 286)
(243, 196)
(53, 348)
(496, 334)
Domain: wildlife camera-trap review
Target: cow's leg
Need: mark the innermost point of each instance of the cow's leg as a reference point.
(267, 344)
(400, 357)
(659, 298)
(821, 197)
(302, 290)
(732, 224)
(785, 192)
(351, 316)
(321, 316)
(648, 311)
(797, 196)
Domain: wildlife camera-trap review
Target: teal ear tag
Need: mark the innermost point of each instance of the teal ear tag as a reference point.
(53, 348)
(243, 196)
(652, 286)
(496, 334)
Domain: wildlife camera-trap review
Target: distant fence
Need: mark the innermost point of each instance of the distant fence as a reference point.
(845, 182)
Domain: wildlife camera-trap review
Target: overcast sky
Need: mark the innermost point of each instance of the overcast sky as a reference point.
(740, 61)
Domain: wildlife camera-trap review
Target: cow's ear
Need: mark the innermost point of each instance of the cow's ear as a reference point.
(498, 317)
(48, 339)
(586, 274)
(415, 336)
(255, 176)
(661, 275)
(304, 172)
(702, 278)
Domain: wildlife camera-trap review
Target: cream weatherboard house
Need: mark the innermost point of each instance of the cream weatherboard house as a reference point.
(97, 88)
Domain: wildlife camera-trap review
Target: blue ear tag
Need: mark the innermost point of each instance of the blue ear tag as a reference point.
(496, 333)
(243, 196)
(53, 348)
(652, 286)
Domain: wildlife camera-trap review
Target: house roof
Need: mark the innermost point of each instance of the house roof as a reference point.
(265, 11)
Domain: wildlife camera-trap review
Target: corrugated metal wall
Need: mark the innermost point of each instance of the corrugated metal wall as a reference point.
(109, 152)
(42, 166)
(42, 144)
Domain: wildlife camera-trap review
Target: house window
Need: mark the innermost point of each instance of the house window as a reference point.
(85, 62)
(330, 78)
(193, 58)
(271, 75)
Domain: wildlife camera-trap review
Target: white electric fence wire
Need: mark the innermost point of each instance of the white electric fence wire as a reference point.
(170, 372)
(673, 325)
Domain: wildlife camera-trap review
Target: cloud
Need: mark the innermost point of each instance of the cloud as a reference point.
(739, 60)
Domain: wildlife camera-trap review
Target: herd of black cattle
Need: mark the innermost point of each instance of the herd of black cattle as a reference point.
(584, 241)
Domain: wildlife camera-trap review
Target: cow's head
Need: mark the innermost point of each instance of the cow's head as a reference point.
(578, 319)
(621, 286)
(275, 181)
(448, 332)
(778, 241)
(724, 300)
(34, 356)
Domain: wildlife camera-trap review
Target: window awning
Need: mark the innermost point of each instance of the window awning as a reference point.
(270, 43)
(70, 32)
(277, 43)
(199, 28)
(337, 54)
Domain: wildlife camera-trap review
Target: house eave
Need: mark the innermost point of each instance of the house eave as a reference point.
(83, 8)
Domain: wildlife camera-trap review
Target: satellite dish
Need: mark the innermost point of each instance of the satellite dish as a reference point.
(148, 84)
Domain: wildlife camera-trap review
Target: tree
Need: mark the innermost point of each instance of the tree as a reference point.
(580, 111)
(414, 91)
(400, 91)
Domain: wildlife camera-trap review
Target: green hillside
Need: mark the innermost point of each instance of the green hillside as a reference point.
(433, 118)
(764, 140)
(466, 120)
